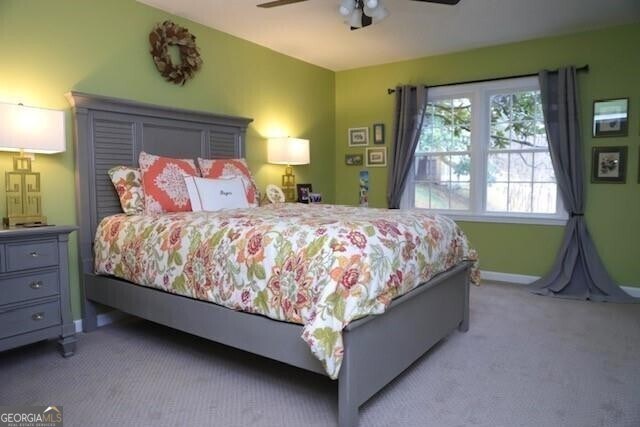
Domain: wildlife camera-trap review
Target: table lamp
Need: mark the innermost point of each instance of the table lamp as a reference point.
(28, 130)
(288, 151)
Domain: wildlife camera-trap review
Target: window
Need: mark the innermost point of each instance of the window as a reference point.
(483, 154)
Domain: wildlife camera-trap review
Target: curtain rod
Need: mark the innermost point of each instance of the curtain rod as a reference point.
(584, 68)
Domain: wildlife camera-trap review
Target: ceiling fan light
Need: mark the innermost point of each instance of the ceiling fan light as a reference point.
(371, 4)
(377, 13)
(369, 11)
(346, 7)
(355, 20)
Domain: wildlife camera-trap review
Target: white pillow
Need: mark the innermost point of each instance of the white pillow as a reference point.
(216, 194)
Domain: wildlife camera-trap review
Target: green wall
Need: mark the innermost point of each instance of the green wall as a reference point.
(612, 210)
(52, 47)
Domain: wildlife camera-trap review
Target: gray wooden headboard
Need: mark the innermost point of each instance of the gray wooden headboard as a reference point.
(111, 132)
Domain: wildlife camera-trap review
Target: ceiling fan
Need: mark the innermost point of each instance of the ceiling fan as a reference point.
(358, 13)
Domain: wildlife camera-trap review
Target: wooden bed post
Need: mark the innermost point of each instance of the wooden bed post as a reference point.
(464, 324)
(347, 405)
(84, 208)
(89, 314)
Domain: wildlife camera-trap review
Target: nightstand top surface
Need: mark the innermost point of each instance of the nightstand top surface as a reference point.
(36, 231)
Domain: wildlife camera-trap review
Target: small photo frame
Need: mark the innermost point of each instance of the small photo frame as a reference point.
(609, 164)
(378, 133)
(303, 192)
(358, 137)
(353, 159)
(611, 117)
(376, 157)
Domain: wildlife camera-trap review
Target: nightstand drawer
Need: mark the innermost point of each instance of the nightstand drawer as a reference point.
(22, 256)
(31, 318)
(28, 287)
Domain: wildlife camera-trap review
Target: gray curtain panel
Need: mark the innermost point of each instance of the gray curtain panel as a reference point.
(411, 102)
(578, 272)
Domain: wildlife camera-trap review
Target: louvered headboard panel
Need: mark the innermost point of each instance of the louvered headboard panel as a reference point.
(113, 145)
(111, 132)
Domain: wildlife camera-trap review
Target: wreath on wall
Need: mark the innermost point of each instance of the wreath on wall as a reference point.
(169, 34)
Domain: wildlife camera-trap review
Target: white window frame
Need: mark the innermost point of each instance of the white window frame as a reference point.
(480, 95)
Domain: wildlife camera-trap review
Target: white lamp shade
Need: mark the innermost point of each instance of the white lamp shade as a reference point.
(34, 130)
(288, 151)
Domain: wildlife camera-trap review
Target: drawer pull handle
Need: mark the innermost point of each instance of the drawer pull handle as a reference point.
(36, 285)
(38, 316)
(34, 254)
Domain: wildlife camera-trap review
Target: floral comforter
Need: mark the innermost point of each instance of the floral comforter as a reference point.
(321, 266)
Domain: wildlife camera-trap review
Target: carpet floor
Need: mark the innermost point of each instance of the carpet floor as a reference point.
(526, 361)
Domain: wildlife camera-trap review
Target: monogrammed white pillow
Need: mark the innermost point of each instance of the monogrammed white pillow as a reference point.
(208, 194)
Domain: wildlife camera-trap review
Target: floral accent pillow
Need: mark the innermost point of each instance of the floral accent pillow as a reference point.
(128, 184)
(163, 183)
(229, 168)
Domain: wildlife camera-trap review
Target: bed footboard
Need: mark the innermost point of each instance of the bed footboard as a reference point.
(379, 348)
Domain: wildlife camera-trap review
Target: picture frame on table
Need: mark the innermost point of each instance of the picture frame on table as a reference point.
(274, 194)
(303, 191)
(610, 117)
(358, 137)
(378, 133)
(376, 157)
(353, 159)
(609, 165)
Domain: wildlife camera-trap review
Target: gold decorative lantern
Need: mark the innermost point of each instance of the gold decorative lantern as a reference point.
(288, 151)
(34, 130)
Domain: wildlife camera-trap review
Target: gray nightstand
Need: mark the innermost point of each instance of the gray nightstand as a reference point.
(34, 287)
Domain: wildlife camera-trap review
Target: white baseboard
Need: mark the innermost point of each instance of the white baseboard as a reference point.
(521, 279)
(632, 290)
(103, 319)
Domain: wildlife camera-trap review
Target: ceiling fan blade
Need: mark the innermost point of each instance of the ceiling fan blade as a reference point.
(449, 2)
(278, 3)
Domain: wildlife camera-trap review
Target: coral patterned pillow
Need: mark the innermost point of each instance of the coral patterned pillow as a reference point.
(163, 183)
(128, 184)
(229, 168)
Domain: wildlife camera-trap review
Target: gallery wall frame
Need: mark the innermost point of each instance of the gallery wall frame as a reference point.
(378, 133)
(358, 137)
(353, 159)
(376, 157)
(609, 164)
(610, 117)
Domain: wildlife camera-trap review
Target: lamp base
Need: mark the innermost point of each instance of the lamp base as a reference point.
(30, 221)
(24, 201)
(289, 185)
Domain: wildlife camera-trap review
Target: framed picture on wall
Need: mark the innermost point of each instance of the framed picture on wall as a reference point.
(378, 133)
(358, 137)
(377, 157)
(609, 164)
(353, 159)
(611, 117)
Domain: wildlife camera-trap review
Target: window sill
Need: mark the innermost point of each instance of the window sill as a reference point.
(504, 219)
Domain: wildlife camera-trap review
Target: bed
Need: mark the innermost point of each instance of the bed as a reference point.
(375, 348)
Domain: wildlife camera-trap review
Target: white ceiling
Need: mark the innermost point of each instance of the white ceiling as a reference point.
(313, 31)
